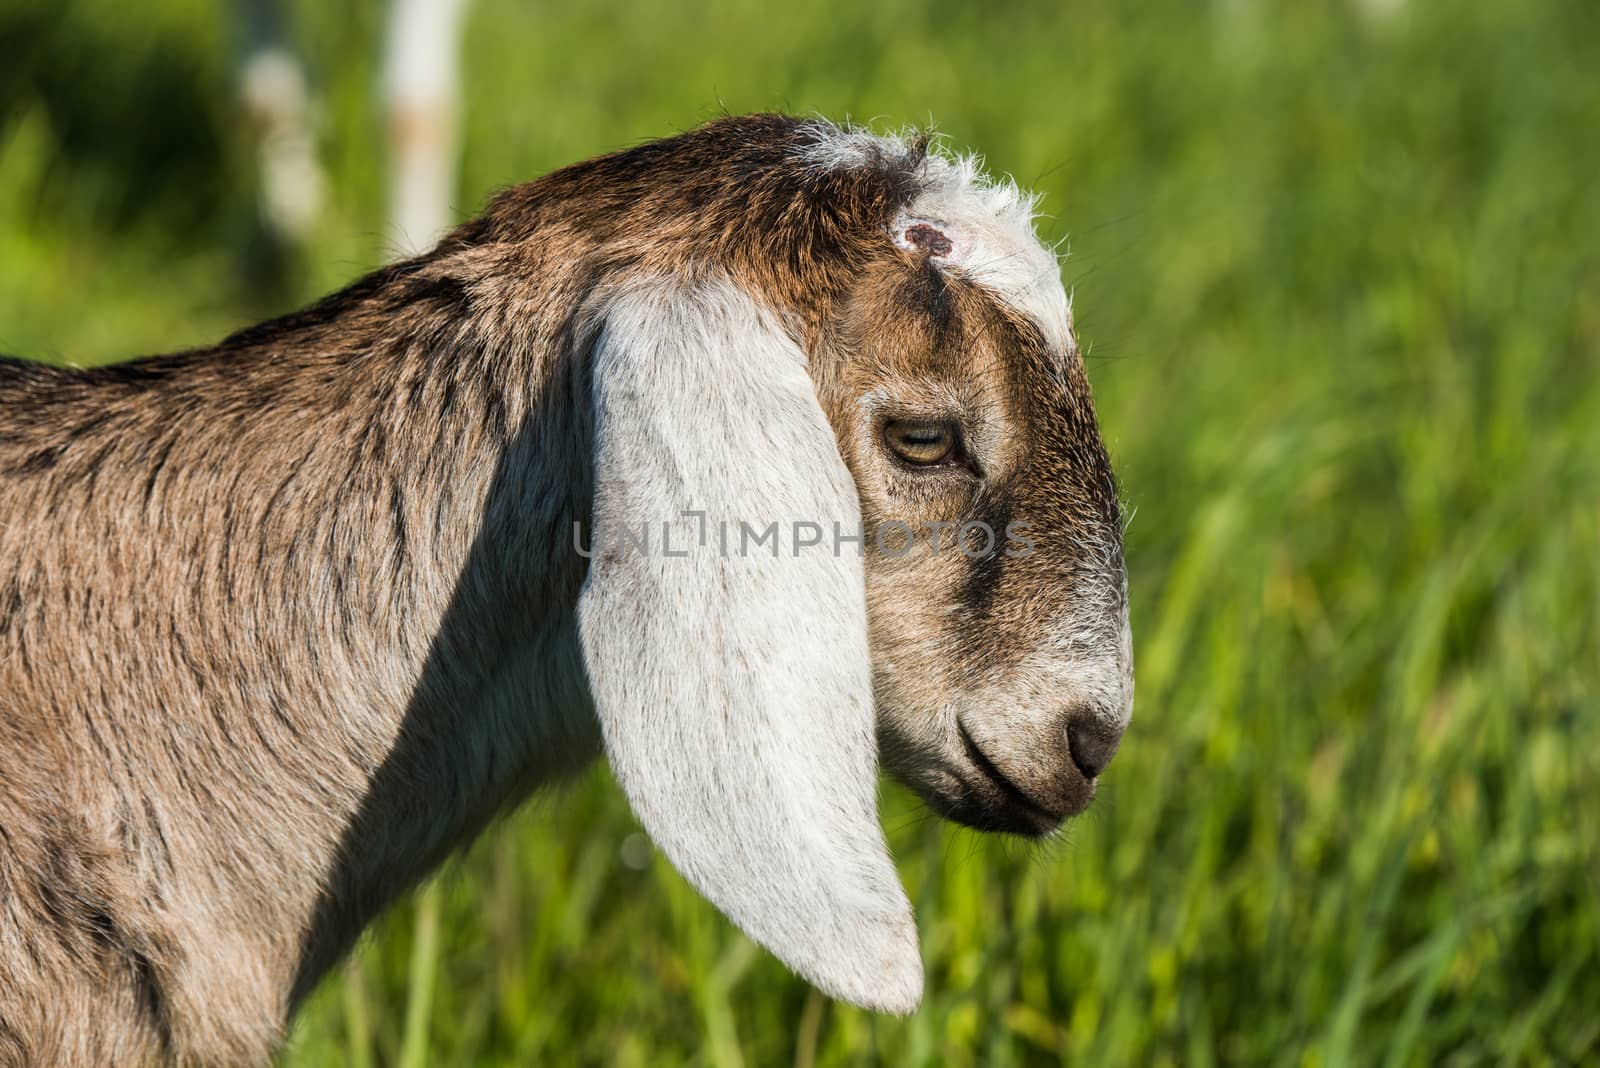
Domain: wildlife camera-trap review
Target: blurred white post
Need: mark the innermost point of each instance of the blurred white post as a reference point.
(277, 102)
(421, 80)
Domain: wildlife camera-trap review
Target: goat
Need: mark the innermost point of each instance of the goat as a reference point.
(285, 621)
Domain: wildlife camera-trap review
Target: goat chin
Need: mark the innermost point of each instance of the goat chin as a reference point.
(285, 621)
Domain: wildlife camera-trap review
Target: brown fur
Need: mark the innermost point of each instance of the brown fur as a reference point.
(284, 621)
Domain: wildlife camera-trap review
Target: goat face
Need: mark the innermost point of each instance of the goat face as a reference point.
(849, 332)
(993, 567)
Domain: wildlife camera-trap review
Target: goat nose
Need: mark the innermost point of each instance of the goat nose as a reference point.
(1092, 741)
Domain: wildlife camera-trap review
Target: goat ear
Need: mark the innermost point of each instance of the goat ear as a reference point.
(731, 677)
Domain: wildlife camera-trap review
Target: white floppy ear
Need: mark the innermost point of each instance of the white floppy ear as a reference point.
(731, 676)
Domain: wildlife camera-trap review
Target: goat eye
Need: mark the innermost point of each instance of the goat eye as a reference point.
(921, 443)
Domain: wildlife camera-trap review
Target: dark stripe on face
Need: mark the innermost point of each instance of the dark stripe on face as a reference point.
(928, 297)
(985, 573)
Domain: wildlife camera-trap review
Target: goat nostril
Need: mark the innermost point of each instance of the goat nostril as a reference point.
(1093, 742)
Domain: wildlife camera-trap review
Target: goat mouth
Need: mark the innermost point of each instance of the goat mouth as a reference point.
(1017, 813)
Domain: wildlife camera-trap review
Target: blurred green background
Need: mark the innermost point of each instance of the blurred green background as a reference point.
(1337, 266)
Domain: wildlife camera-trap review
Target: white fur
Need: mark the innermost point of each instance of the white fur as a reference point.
(735, 693)
(989, 223)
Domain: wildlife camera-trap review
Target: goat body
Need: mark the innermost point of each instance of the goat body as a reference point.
(286, 620)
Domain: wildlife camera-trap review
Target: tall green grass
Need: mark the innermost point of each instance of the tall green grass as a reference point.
(1338, 272)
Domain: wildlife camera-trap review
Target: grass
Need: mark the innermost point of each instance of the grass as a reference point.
(1338, 266)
